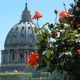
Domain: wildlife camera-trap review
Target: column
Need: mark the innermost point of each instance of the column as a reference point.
(5, 60)
(2, 57)
(17, 54)
(25, 56)
(8, 57)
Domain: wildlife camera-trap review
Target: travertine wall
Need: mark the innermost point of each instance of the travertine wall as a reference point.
(15, 76)
(29, 76)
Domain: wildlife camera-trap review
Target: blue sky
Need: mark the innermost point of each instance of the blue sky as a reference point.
(11, 10)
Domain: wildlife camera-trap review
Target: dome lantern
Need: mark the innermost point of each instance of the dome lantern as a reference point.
(26, 16)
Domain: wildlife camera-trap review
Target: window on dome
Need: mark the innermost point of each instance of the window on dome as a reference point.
(22, 35)
(29, 27)
(14, 35)
(29, 30)
(16, 28)
(23, 28)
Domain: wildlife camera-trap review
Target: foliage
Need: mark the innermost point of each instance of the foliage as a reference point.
(57, 44)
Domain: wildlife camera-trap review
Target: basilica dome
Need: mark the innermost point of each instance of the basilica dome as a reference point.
(21, 34)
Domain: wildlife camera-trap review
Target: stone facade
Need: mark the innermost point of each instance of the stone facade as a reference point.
(20, 41)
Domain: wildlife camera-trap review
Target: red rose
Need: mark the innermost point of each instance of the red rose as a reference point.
(63, 14)
(32, 59)
(37, 15)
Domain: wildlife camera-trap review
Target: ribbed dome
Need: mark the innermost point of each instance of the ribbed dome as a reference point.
(21, 34)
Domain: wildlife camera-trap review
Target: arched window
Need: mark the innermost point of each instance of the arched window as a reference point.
(21, 56)
(13, 56)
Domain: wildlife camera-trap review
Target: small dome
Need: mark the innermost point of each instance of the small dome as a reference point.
(21, 35)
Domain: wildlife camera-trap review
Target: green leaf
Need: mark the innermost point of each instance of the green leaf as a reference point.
(48, 54)
(39, 37)
(36, 30)
(46, 31)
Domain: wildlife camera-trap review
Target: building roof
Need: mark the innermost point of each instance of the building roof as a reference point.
(22, 33)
